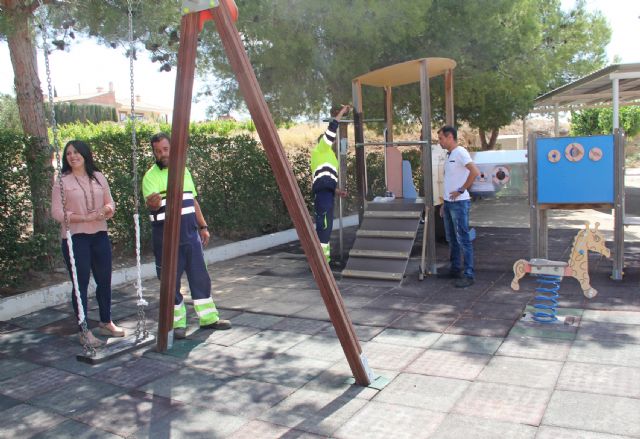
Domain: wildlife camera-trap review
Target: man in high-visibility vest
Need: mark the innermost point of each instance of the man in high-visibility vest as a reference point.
(194, 234)
(325, 167)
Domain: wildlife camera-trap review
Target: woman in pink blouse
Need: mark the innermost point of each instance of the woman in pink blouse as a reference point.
(88, 206)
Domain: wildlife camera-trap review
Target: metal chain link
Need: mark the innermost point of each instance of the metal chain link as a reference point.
(82, 321)
(141, 327)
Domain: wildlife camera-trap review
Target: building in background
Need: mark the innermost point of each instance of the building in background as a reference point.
(143, 111)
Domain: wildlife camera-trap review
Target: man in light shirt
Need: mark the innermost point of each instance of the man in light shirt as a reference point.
(459, 174)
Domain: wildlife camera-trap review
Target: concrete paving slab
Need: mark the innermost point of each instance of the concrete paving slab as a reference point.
(275, 341)
(71, 364)
(39, 318)
(135, 373)
(469, 427)
(492, 310)
(289, 370)
(527, 372)
(502, 402)
(416, 321)
(480, 327)
(25, 421)
(395, 302)
(534, 329)
(314, 412)
(382, 421)
(318, 347)
(545, 432)
(227, 361)
(593, 412)
(418, 339)
(533, 347)
(125, 414)
(185, 422)
(7, 402)
(623, 317)
(27, 385)
(11, 367)
(262, 321)
(266, 430)
(314, 312)
(75, 430)
(468, 343)
(600, 378)
(74, 398)
(301, 326)
(426, 392)
(225, 338)
(388, 356)
(605, 352)
(605, 331)
(460, 365)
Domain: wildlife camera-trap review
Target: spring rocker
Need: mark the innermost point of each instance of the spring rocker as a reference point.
(550, 273)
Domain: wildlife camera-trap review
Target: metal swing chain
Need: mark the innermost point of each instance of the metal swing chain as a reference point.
(141, 326)
(82, 321)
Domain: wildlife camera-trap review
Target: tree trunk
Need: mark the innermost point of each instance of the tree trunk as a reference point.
(488, 145)
(32, 115)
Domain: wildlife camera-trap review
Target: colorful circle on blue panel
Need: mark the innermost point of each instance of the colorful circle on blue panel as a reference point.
(574, 152)
(595, 154)
(554, 156)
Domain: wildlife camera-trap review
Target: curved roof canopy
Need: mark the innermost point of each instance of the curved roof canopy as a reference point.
(594, 90)
(405, 73)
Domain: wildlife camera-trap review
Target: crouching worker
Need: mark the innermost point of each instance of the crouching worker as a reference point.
(324, 168)
(194, 234)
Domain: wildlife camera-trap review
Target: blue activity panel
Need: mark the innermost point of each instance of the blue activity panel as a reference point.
(575, 170)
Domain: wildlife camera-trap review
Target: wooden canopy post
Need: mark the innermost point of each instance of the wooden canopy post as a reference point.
(448, 97)
(427, 168)
(177, 162)
(291, 194)
(358, 129)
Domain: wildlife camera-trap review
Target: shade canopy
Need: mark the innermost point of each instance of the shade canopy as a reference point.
(405, 73)
(594, 90)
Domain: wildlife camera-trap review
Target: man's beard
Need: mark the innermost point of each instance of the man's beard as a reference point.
(160, 164)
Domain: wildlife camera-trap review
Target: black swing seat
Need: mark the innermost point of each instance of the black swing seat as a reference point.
(115, 348)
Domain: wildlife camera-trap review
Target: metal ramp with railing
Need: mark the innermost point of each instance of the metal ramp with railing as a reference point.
(384, 241)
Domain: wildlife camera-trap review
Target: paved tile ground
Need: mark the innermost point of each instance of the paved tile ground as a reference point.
(454, 363)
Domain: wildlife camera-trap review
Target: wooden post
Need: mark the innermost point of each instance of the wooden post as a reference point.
(177, 162)
(448, 97)
(291, 194)
(361, 163)
(427, 168)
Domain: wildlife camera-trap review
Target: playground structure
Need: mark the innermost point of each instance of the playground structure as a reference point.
(577, 267)
(613, 86)
(576, 173)
(389, 226)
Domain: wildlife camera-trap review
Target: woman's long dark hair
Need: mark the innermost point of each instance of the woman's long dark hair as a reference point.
(85, 152)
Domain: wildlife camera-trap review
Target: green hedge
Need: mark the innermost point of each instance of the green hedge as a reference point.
(237, 190)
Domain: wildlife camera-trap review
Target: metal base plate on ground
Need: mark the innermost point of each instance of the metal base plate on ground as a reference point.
(527, 317)
(118, 347)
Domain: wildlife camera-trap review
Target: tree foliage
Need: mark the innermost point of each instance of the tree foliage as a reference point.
(600, 121)
(305, 53)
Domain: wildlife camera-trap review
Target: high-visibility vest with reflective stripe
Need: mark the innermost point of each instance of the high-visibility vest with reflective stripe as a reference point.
(324, 164)
(156, 180)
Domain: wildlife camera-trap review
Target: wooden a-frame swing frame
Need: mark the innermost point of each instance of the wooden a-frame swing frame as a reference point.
(190, 26)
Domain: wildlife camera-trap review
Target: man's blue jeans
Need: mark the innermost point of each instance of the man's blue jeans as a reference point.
(456, 226)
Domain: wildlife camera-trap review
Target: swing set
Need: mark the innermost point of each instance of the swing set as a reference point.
(223, 13)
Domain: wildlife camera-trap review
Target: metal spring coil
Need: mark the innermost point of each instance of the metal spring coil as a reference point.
(547, 298)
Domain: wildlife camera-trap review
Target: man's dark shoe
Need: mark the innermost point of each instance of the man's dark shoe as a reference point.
(464, 282)
(179, 333)
(449, 275)
(220, 325)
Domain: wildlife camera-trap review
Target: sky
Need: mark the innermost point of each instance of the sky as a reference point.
(88, 65)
